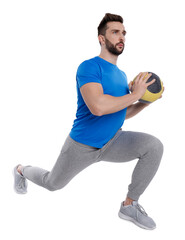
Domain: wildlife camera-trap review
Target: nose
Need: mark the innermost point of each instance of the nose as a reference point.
(122, 38)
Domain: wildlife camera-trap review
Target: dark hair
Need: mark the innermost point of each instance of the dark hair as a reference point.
(108, 18)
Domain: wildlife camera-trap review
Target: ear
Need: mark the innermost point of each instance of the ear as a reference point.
(101, 39)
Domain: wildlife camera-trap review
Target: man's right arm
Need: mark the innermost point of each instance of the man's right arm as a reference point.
(101, 104)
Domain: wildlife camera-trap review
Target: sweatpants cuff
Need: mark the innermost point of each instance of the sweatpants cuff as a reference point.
(133, 196)
(23, 168)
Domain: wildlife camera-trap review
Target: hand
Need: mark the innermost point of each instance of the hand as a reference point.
(140, 84)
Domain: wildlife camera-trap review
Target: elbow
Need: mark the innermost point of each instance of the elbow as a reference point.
(97, 111)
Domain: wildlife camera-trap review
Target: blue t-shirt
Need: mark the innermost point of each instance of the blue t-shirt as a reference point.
(93, 130)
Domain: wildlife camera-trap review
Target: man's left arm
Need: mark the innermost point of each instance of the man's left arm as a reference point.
(134, 109)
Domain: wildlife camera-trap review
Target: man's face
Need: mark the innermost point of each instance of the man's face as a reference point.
(115, 38)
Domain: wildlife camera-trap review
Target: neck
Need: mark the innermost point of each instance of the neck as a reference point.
(109, 57)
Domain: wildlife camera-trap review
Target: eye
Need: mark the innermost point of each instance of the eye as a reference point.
(115, 31)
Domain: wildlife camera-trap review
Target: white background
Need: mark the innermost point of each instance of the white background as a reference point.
(41, 45)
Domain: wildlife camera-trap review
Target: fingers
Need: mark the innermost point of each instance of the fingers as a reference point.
(147, 76)
(137, 78)
(143, 76)
(151, 82)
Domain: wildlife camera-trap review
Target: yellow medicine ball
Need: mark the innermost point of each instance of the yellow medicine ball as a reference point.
(154, 91)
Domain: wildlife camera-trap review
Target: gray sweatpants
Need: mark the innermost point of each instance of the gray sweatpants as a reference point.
(123, 147)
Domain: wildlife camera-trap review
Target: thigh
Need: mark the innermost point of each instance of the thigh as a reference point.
(74, 157)
(128, 146)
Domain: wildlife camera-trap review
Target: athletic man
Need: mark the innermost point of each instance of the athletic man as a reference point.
(105, 100)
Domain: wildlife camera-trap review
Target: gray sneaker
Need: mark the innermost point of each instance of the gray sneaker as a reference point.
(20, 182)
(136, 214)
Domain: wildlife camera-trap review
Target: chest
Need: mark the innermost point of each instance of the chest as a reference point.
(114, 82)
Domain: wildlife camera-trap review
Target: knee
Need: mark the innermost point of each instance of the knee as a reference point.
(52, 186)
(156, 147)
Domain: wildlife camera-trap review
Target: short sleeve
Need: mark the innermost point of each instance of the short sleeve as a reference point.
(88, 71)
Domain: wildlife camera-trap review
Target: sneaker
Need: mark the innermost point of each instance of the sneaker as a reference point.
(20, 182)
(136, 214)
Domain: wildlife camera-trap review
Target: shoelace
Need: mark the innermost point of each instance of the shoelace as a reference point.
(22, 183)
(141, 209)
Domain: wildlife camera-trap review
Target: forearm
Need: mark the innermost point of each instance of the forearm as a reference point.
(108, 104)
(134, 109)
(101, 104)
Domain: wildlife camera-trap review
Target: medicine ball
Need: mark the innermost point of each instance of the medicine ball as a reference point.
(154, 91)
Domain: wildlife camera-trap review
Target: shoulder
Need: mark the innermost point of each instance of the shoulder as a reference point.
(90, 65)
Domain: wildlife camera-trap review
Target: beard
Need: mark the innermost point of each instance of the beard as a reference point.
(112, 48)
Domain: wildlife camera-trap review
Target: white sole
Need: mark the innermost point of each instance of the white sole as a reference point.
(125, 217)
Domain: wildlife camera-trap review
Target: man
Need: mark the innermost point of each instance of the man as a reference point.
(104, 102)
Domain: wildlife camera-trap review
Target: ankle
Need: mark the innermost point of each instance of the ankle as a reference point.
(19, 169)
(128, 201)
